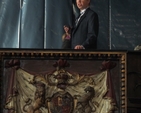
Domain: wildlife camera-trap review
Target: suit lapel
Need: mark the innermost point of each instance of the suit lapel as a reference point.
(83, 16)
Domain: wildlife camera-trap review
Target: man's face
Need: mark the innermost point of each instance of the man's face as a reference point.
(82, 4)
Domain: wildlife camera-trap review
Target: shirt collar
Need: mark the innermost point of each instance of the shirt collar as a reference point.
(83, 11)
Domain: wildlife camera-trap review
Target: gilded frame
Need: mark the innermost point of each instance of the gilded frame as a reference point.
(119, 56)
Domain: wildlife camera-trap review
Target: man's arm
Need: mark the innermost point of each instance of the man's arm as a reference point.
(93, 28)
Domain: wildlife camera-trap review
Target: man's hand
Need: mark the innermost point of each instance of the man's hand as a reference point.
(79, 47)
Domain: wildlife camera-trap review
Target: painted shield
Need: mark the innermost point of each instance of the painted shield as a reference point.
(61, 102)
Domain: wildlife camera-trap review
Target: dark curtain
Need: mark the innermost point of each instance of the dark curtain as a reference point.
(39, 23)
(126, 24)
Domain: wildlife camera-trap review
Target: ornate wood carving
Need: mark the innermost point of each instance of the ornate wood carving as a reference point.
(62, 77)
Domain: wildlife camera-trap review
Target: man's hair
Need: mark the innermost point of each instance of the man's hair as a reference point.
(89, 2)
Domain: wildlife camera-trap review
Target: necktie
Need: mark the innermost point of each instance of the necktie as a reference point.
(77, 20)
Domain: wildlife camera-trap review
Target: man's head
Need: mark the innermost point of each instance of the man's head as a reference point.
(82, 4)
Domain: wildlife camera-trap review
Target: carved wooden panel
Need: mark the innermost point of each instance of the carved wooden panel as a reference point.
(134, 82)
(45, 81)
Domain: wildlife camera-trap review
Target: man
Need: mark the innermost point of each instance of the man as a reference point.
(85, 31)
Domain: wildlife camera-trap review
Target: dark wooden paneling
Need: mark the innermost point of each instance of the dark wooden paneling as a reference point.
(134, 82)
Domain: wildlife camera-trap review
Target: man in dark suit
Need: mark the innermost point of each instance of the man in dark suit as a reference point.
(85, 31)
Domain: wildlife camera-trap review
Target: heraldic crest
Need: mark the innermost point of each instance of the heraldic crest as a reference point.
(59, 91)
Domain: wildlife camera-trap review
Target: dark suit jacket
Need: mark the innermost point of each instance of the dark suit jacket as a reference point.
(86, 31)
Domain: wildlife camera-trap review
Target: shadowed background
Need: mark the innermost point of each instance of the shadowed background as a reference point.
(39, 24)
